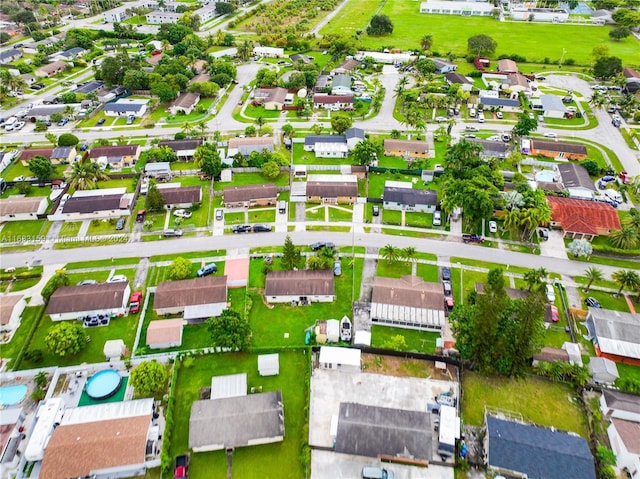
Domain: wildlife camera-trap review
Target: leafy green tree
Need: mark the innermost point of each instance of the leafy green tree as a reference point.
(148, 378)
(225, 8)
(426, 41)
(380, 25)
(619, 33)
(291, 256)
(159, 154)
(626, 17)
(51, 138)
(525, 125)
(481, 45)
(607, 67)
(163, 90)
(57, 280)
(65, 339)
(341, 123)
(85, 175)
(180, 268)
(173, 33)
(154, 201)
(4, 37)
(207, 158)
(627, 279)
(396, 342)
(366, 152)
(23, 187)
(68, 139)
(229, 331)
(271, 170)
(592, 167)
(42, 168)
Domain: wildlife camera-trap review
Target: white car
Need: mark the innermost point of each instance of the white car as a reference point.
(551, 294)
(182, 213)
(118, 278)
(493, 227)
(440, 119)
(572, 109)
(499, 115)
(19, 125)
(550, 135)
(540, 119)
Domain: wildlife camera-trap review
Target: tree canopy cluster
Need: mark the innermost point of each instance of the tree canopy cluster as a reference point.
(380, 25)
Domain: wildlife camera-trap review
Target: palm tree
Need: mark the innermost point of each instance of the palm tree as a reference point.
(187, 128)
(402, 86)
(390, 253)
(84, 176)
(535, 278)
(259, 123)
(202, 126)
(597, 100)
(633, 220)
(625, 238)
(426, 41)
(408, 253)
(627, 279)
(512, 220)
(592, 274)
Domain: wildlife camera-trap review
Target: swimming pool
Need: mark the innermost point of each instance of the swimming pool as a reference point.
(546, 176)
(10, 395)
(103, 384)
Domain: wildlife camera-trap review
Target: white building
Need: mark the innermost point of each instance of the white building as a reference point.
(624, 437)
(192, 298)
(270, 52)
(340, 359)
(11, 308)
(484, 9)
(386, 57)
(526, 14)
(126, 107)
(48, 414)
(158, 17)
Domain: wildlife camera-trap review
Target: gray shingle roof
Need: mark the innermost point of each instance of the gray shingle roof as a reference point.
(184, 194)
(559, 146)
(332, 189)
(489, 101)
(410, 196)
(539, 452)
(574, 175)
(189, 292)
(622, 401)
(497, 149)
(90, 204)
(311, 140)
(299, 283)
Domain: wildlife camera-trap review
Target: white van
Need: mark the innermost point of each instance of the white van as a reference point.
(10, 123)
(437, 219)
(472, 113)
(614, 195)
(481, 117)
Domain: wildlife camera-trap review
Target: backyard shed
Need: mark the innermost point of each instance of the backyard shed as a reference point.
(603, 370)
(333, 330)
(229, 386)
(164, 333)
(269, 364)
(114, 349)
(362, 338)
(341, 359)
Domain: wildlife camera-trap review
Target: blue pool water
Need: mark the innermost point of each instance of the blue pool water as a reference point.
(546, 176)
(11, 395)
(103, 384)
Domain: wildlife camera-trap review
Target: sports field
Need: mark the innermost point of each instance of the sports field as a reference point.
(534, 41)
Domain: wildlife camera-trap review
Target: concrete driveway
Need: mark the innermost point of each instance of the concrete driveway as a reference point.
(554, 247)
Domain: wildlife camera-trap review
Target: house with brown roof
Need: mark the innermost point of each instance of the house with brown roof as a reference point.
(11, 308)
(200, 78)
(246, 146)
(632, 78)
(620, 405)
(507, 66)
(624, 437)
(51, 69)
(411, 149)
(250, 195)
(164, 333)
(115, 439)
(30, 153)
(184, 149)
(579, 219)
(180, 196)
(73, 302)
(194, 299)
(185, 103)
(549, 355)
(300, 287)
(346, 66)
(116, 157)
(332, 102)
(408, 302)
(271, 98)
(332, 192)
(19, 207)
(97, 204)
(554, 149)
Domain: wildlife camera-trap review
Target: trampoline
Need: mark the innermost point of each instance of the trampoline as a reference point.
(103, 384)
(11, 395)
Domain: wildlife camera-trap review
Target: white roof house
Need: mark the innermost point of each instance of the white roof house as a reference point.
(269, 364)
(49, 413)
(615, 334)
(268, 52)
(573, 350)
(384, 57)
(342, 359)
(229, 386)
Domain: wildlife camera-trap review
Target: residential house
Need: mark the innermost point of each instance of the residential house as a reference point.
(159, 18)
(551, 106)
(63, 155)
(327, 146)
(116, 157)
(408, 149)
(624, 437)
(176, 196)
(615, 335)
(341, 85)
(227, 52)
(549, 355)
(246, 146)
(117, 439)
(97, 204)
(250, 195)
(160, 169)
(504, 104)
(300, 287)
(346, 67)
(68, 55)
(269, 52)
(164, 333)
(620, 405)
(576, 180)
(90, 87)
(231, 422)
(322, 84)
(28, 79)
(126, 107)
(524, 13)
(11, 308)
(517, 449)
(206, 12)
(601, 16)
(388, 432)
(407, 302)
(73, 302)
(390, 58)
(10, 55)
(11, 434)
(20, 208)
(184, 149)
(632, 80)
(340, 359)
(402, 196)
(185, 103)
(517, 83)
(44, 112)
(454, 78)
(491, 149)
(200, 78)
(582, 219)
(271, 98)
(50, 69)
(30, 153)
(332, 102)
(194, 299)
(297, 57)
(507, 66)
(332, 189)
(554, 149)
(453, 7)
(353, 136)
(443, 66)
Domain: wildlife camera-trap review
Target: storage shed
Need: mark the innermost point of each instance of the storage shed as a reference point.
(114, 349)
(269, 364)
(341, 359)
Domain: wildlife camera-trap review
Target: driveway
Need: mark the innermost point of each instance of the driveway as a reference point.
(554, 247)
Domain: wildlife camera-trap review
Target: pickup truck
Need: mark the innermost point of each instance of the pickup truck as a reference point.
(181, 470)
(472, 238)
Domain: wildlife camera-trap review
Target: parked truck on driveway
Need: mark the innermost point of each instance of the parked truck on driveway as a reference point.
(472, 238)
(181, 470)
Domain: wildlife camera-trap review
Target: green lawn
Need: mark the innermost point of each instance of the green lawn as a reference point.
(27, 321)
(391, 217)
(70, 228)
(608, 300)
(278, 460)
(28, 230)
(418, 219)
(241, 179)
(629, 371)
(421, 341)
(16, 169)
(377, 181)
(393, 270)
(158, 274)
(189, 255)
(128, 183)
(339, 214)
(260, 112)
(523, 38)
(262, 216)
(103, 227)
(539, 401)
(102, 263)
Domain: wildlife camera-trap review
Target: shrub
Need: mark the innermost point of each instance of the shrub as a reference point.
(23, 187)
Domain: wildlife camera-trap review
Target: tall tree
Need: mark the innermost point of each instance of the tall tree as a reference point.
(154, 201)
(148, 378)
(180, 268)
(525, 125)
(207, 158)
(380, 25)
(390, 253)
(42, 168)
(426, 41)
(627, 279)
(57, 280)
(592, 274)
(481, 45)
(85, 175)
(341, 123)
(366, 152)
(291, 256)
(624, 238)
(229, 331)
(65, 339)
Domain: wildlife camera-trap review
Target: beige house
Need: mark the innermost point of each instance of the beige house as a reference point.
(18, 208)
(165, 333)
(271, 98)
(332, 192)
(406, 148)
(194, 299)
(250, 195)
(63, 155)
(116, 157)
(185, 103)
(300, 287)
(50, 69)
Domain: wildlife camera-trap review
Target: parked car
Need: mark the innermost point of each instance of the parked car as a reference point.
(551, 293)
(219, 214)
(241, 228)
(555, 316)
(85, 282)
(437, 218)
(261, 228)
(472, 128)
(550, 134)
(120, 224)
(446, 286)
(376, 473)
(540, 119)
(499, 115)
(472, 238)
(322, 244)
(171, 233)
(543, 234)
(101, 121)
(140, 216)
(117, 278)
(376, 210)
(493, 227)
(135, 302)
(181, 469)
(182, 213)
(130, 119)
(449, 303)
(207, 269)
(337, 268)
(593, 302)
(19, 126)
(446, 273)
(540, 77)
(63, 122)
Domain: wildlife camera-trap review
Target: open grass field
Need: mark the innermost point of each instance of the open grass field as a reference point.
(421, 341)
(279, 460)
(450, 33)
(539, 401)
(13, 347)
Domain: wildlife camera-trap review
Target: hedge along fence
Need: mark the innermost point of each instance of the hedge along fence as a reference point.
(166, 460)
(27, 341)
(20, 275)
(403, 171)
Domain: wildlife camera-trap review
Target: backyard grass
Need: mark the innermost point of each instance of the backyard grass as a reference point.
(27, 320)
(28, 230)
(377, 181)
(539, 401)
(279, 460)
(607, 300)
(241, 179)
(128, 183)
(628, 371)
(421, 341)
(512, 37)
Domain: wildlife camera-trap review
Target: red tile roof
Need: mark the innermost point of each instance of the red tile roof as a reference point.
(579, 216)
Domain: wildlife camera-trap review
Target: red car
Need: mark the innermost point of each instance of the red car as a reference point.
(134, 304)
(555, 316)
